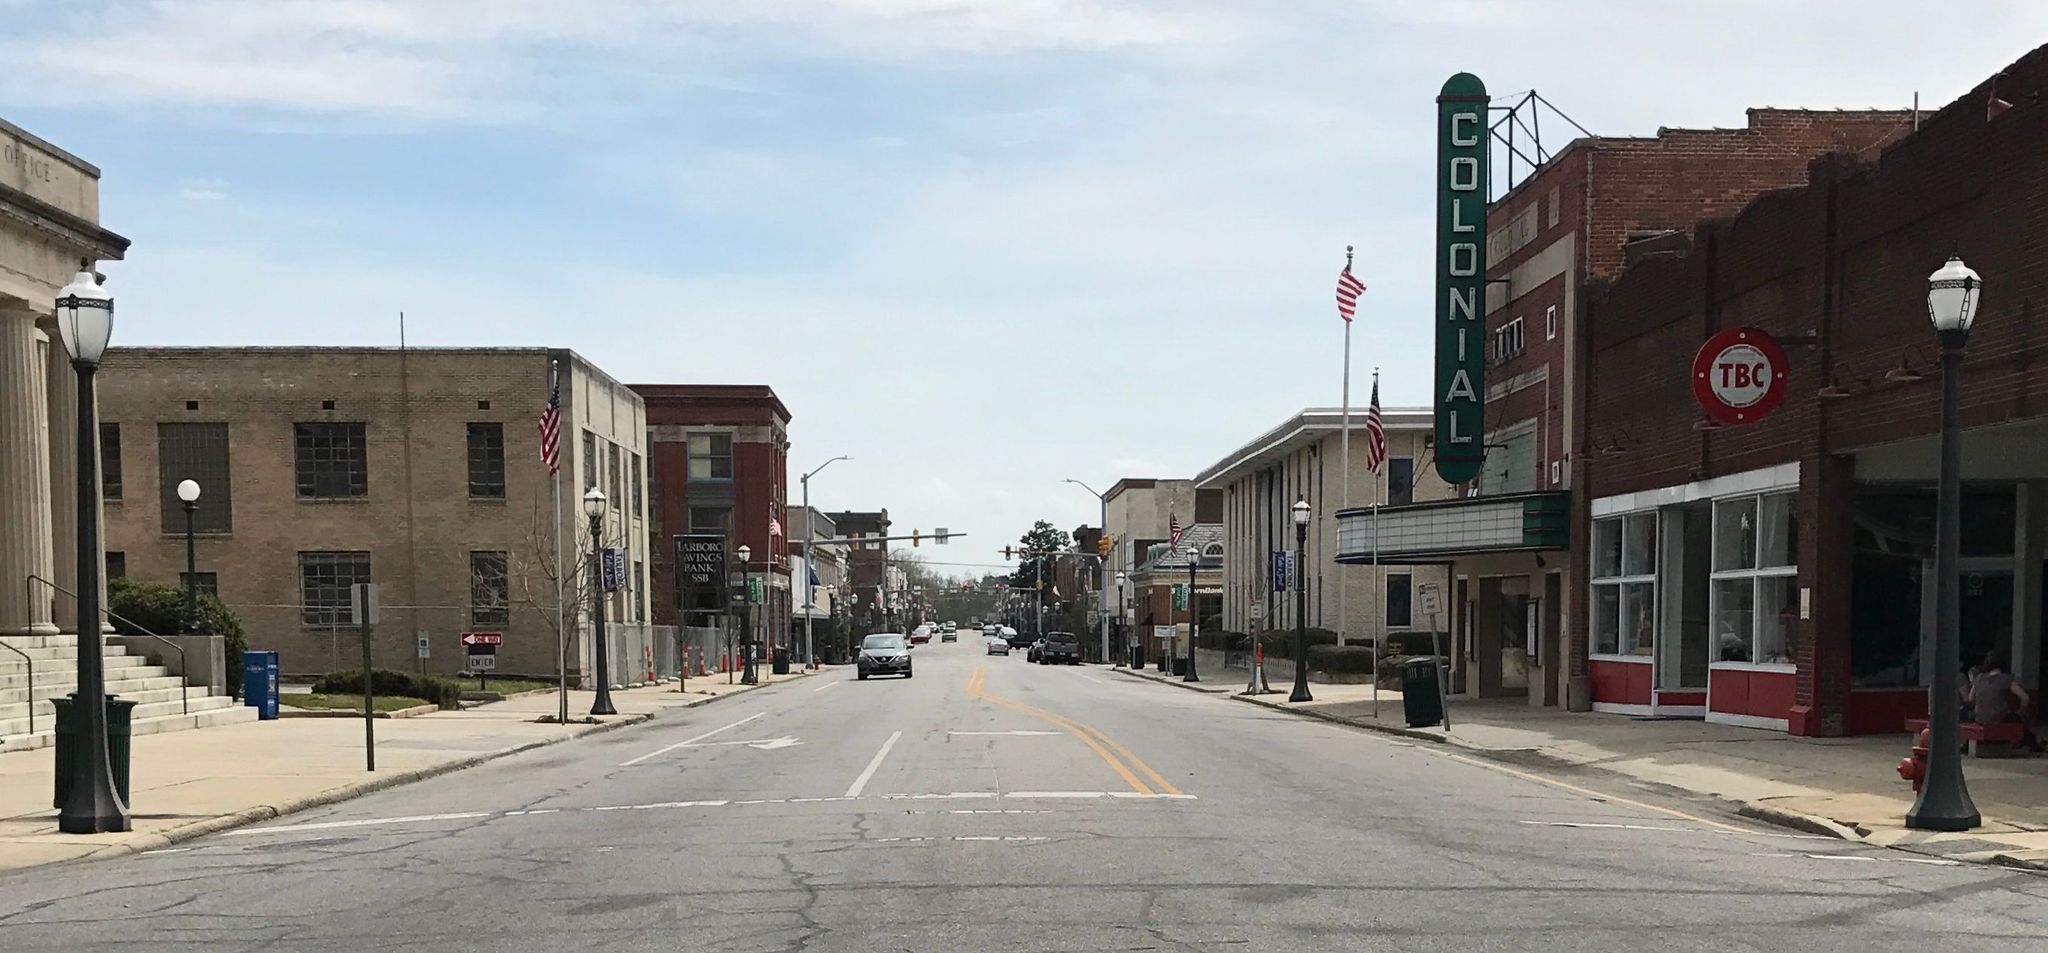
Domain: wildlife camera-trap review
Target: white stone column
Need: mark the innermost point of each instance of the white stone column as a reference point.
(61, 410)
(24, 478)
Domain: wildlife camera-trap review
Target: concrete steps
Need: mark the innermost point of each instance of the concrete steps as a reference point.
(163, 703)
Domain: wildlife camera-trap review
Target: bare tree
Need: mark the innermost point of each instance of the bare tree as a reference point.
(549, 572)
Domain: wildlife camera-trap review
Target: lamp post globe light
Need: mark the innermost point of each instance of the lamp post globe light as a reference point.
(747, 676)
(188, 494)
(85, 321)
(593, 507)
(1953, 294)
(1300, 693)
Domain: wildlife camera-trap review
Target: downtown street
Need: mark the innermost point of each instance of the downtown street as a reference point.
(992, 805)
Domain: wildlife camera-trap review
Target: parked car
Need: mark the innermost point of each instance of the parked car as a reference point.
(992, 630)
(1061, 648)
(998, 647)
(1017, 641)
(884, 653)
(1031, 652)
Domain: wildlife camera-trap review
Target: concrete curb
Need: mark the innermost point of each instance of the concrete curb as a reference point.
(1175, 682)
(1795, 820)
(260, 813)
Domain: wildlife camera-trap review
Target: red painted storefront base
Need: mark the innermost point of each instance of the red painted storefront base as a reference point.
(1883, 711)
(1620, 683)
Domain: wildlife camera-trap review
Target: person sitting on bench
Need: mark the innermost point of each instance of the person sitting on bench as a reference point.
(1995, 696)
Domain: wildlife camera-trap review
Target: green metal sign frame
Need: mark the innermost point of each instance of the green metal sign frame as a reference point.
(1461, 178)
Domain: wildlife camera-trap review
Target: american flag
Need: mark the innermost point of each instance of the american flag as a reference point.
(1348, 290)
(1173, 533)
(774, 525)
(551, 428)
(1375, 431)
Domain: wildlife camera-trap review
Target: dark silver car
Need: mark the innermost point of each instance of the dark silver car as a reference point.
(884, 653)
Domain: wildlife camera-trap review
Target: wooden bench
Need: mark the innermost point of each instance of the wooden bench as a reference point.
(1999, 740)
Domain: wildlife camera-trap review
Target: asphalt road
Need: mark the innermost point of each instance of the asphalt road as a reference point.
(992, 805)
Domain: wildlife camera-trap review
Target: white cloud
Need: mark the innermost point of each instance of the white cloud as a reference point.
(203, 190)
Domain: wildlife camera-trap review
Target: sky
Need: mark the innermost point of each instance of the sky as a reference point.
(979, 245)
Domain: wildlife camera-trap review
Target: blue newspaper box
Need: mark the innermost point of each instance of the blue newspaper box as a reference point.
(259, 683)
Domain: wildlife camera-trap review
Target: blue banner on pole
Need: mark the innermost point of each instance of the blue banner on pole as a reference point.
(1283, 570)
(612, 569)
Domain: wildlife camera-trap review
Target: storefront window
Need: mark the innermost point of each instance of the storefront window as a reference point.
(1735, 534)
(1625, 584)
(1755, 591)
(1606, 620)
(1638, 617)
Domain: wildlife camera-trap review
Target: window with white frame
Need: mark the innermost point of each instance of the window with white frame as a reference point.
(1624, 610)
(1550, 323)
(1507, 341)
(1755, 592)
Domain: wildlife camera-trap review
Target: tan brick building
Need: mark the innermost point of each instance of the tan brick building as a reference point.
(419, 470)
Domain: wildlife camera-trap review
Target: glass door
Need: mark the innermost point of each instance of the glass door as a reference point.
(1984, 611)
(1684, 543)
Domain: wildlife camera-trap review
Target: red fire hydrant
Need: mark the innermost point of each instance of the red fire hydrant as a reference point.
(1914, 767)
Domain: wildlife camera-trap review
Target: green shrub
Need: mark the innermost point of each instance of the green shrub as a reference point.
(144, 608)
(1340, 659)
(446, 693)
(1279, 643)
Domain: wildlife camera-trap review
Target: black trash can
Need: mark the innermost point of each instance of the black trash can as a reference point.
(1180, 665)
(70, 735)
(781, 660)
(1420, 699)
(1137, 655)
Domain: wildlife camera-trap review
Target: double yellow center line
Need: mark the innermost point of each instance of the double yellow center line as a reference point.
(1090, 735)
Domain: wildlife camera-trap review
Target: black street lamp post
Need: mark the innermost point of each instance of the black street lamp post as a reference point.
(85, 320)
(1300, 693)
(188, 494)
(1944, 803)
(593, 507)
(1194, 621)
(748, 676)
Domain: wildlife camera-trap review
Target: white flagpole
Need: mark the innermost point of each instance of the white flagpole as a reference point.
(1379, 573)
(1343, 616)
(561, 571)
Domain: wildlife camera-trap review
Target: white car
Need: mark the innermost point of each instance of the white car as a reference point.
(998, 646)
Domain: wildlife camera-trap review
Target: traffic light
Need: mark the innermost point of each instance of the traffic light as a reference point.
(1006, 554)
(1104, 544)
(914, 538)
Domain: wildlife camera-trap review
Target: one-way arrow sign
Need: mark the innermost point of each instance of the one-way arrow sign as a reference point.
(483, 638)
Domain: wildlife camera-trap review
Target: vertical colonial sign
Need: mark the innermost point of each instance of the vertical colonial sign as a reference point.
(1460, 277)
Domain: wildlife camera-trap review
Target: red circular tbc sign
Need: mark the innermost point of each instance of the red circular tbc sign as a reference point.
(1739, 376)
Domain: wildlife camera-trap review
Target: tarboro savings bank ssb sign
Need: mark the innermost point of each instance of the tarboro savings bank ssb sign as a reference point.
(1460, 277)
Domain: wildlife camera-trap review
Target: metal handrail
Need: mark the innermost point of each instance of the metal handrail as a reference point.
(31, 696)
(184, 666)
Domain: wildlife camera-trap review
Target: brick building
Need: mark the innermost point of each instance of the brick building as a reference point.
(1779, 573)
(418, 470)
(720, 457)
(868, 578)
(1506, 539)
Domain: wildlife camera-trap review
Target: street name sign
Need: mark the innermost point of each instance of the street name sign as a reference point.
(1739, 375)
(1461, 181)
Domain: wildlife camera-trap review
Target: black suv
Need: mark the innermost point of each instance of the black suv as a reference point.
(1060, 647)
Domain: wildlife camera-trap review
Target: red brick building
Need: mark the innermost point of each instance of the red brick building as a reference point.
(1513, 628)
(1779, 573)
(719, 460)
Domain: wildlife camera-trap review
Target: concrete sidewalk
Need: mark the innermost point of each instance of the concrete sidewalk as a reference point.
(190, 783)
(1846, 787)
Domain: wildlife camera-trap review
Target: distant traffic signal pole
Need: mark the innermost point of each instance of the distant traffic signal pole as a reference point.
(1102, 586)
